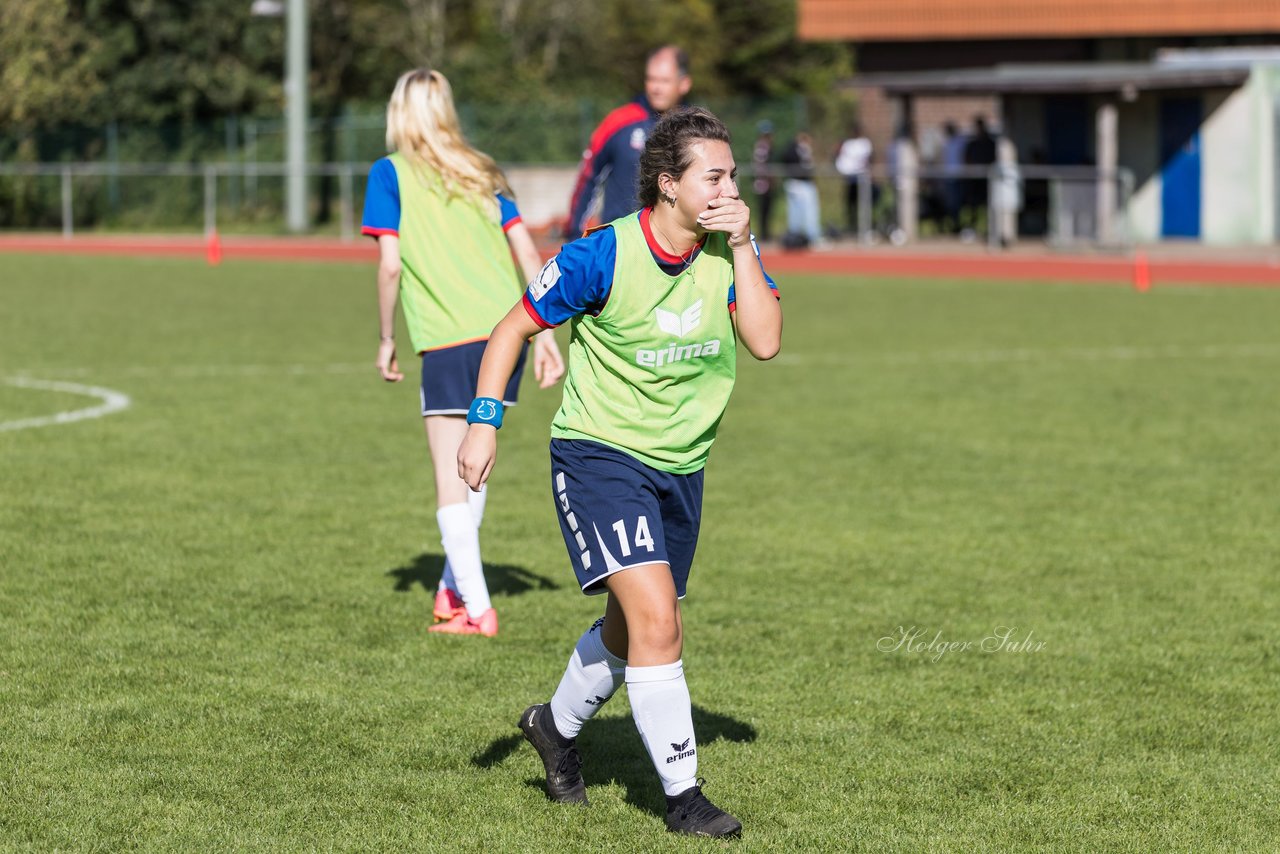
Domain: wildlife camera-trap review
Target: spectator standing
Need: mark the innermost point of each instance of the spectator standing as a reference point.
(762, 176)
(612, 158)
(952, 165)
(803, 213)
(979, 151)
(853, 161)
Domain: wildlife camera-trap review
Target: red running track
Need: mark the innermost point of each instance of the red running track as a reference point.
(1019, 265)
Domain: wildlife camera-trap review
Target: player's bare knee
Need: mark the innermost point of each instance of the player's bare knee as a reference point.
(654, 628)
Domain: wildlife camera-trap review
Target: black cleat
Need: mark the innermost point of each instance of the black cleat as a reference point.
(559, 755)
(690, 812)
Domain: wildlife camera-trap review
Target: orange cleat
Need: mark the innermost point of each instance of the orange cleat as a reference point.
(448, 605)
(487, 625)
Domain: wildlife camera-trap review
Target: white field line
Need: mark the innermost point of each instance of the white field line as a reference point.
(182, 371)
(1071, 354)
(112, 401)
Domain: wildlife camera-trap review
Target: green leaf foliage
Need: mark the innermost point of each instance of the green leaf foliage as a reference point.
(91, 62)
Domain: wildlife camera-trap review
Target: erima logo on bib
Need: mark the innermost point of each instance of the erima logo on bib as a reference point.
(681, 324)
(678, 325)
(549, 275)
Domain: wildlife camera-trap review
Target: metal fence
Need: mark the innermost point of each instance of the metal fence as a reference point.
(1060, 205)
(179, 196)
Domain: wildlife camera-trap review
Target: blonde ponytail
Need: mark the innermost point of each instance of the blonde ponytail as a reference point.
(422, 124)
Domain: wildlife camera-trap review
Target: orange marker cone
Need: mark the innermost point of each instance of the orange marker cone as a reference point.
(213, 248)
(1141, 273)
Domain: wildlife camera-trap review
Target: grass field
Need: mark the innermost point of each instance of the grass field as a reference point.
(214, 601)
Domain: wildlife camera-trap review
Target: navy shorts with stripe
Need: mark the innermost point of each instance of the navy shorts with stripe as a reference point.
(450, 374)
(616, 512)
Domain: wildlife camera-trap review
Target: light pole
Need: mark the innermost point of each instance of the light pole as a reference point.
(296, 63)
(295, 87)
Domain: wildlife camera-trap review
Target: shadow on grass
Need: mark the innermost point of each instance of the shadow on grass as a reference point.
(612, 752)
(503, 578)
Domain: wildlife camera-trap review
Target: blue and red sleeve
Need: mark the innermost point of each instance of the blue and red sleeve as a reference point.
(595, 159)
(382, 201)
(508, 212)
(577, 281)
(773, 286)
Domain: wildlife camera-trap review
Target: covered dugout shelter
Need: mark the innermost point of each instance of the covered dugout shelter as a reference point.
(1182, 95)
(1198, 130)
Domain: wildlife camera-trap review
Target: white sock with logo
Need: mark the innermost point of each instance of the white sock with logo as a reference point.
(663, 714)
(475, 500)
(460, 537)
(592, 677)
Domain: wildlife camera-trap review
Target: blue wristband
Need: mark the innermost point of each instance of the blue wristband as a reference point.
(485, 410)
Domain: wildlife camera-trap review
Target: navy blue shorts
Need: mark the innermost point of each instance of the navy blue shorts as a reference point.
(449, 377)
(616, 512)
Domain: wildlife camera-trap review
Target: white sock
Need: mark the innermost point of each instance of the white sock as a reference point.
(475, 500)
(592, 677)
(461, 540)
(660, 705)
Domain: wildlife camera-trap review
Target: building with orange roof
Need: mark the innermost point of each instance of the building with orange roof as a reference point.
(1182, 96)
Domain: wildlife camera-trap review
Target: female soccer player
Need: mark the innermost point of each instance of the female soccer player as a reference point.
(439, 210)
(658, 300)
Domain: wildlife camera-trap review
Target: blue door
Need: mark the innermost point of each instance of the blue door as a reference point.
(1180, 166)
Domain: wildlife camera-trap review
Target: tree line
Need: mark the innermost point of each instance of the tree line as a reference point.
(92, 62)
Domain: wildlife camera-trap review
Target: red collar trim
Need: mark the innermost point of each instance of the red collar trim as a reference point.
(656, 248)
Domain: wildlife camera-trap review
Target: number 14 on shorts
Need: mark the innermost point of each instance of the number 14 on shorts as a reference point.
(643, 539)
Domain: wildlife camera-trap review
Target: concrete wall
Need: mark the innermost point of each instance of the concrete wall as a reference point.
(1239, 162)
(1228, 188)
(542, 192)
(1264, 87)
(1140, 154)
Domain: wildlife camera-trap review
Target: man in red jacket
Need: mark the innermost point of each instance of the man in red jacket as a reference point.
(613, 156)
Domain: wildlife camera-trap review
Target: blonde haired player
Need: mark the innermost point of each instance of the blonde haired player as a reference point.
(447, 225)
